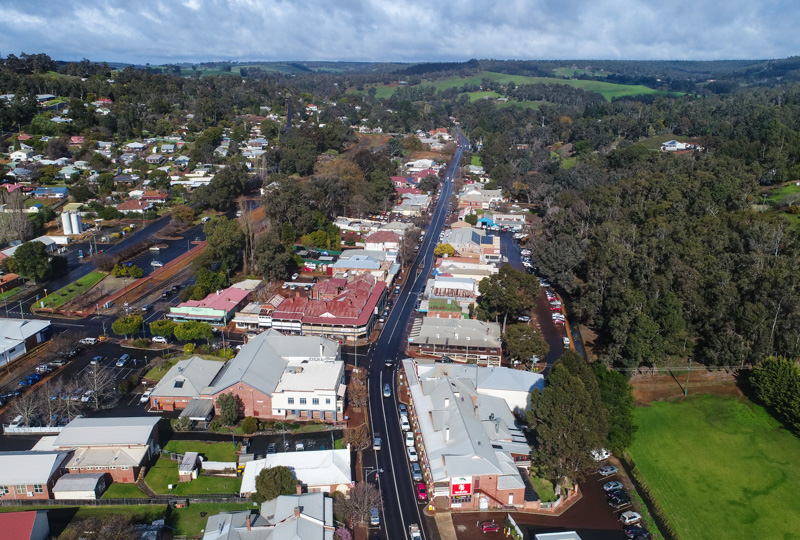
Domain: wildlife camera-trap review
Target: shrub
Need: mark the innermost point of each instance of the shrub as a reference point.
(188, 348)
(214, 425)
(141, 343)
(249, 425)
(181, 424)
(124, 387)
(269, 424)
(349, 242)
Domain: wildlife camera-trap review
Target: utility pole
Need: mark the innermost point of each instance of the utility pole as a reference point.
(686, 390)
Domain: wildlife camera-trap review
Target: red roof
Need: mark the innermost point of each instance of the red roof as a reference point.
(153, 196)
(353, 306)
(382, 237)
(24, 137)
(423, 174)
(408, 191)
(222, 300)
(17, 525)
(133, 205)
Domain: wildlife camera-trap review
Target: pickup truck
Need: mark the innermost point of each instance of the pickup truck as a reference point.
(413, 532)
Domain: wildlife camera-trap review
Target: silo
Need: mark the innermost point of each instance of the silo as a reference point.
(77, 225)
(65, 223)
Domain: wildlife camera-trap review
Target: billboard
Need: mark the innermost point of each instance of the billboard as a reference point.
(461, 486)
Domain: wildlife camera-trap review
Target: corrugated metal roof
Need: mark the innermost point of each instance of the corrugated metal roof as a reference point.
(77, 482)
(107, 432)
(29, 467)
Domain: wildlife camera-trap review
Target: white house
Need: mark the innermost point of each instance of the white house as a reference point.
(323, 471)
(21, 155)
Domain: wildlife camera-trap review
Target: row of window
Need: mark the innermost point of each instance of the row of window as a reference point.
(122, 468)
(22, 488)
(314, 401)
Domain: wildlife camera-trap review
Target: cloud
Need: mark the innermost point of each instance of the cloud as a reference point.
(159, 31)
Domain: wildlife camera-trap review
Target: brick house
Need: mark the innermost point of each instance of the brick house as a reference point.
(30, 475)
(184, 382)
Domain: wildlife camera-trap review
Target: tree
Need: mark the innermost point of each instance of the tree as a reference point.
(249, 425)
(27, 406)
(776, 380)
(274, 481)
(163, 327)
(472, 219)
(617, 395)
(444, 250)
(360, 501)
(193, 331)
(228, 405)
(508, 292)
(563, 416)
(14, 222)
(523, 342)
(100, 380)
(408, 247)
(429, 184)
(32, 261)
(47, 406)
(225, 241)
(127, 325)
(272, 257)
(358, 438)
(357, 389)
(183, 213)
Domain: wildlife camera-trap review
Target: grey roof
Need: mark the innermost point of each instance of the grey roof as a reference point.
(78, 482)
(459, 332)
(263, 359)
(19, 329)
(107, 432)
(188, 378)
(566, 535)
(465, 235)
(359, 262)
(375, 254)
(198, 409)
(29, 467)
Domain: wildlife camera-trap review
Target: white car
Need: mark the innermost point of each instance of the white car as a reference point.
(89, 341)
(295, 276)
(146, 396)
(630, 517)
(159, 339)
(404, 425)
(409, 438)
(600, 455)
(88, 396)
(376, 443)
(156, 264)
(412, 454)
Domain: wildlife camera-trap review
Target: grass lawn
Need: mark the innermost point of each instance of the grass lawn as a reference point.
(568, 163)
(544, 488)
(188, 521)
(310, 428)
(123, 491)
(157, 373)
(654, 143)
(74, 289)
(12, 292)
(224, 451)
(480, 95)
(719, 467)
(165, 472)
(776, 195)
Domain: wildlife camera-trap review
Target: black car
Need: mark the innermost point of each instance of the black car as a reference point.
(166, 294)
(176, 288)
(620, 500)
(271, 448)
(637, 531)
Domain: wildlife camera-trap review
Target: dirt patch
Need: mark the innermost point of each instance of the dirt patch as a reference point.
(589, 338)
(424, 154)
(663, 386)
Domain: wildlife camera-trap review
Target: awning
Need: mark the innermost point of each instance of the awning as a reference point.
(199, 409)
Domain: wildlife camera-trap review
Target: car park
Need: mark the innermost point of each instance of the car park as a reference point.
(412, 454)
(409, 438)
(630, 517)
(636, 531)
(600, 454)
(387, 390)
(489, 526)
(607, 470)
(422, 492)
(612, 486)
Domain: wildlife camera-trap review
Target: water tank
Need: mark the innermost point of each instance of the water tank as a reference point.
(77, 225)
(65, 223)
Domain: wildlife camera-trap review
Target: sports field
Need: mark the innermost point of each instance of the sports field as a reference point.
(720, 468)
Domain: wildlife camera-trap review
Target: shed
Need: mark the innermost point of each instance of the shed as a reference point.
(187, 471)
(80, 486)
(199, 410)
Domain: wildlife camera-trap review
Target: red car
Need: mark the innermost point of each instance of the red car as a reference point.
(490, 526)
(422, 493)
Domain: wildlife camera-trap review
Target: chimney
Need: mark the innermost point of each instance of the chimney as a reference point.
(299, 489)
(248, 522)
(446, 402)
(296, 511)
(447, 433)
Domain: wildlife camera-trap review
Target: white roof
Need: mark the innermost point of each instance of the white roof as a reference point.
(247, 284)
(108, 457)
(29, 467)
(107, 432)
(311, 468)
(17, 329)
(78, 482)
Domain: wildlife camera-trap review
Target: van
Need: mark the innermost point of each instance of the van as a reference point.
(123, 360)
(374, 518)
(416, 472)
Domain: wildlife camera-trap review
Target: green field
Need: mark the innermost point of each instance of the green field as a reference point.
(571, 72)
(124, 491)
(165, 472)
(11, 292)
(74, 289)
(480, 95)
(225, 451)
(608, 90)
(157, 373)
(777, 195)
(719, 468)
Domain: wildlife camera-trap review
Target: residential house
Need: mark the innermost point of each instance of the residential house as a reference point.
(51, 192)
(475, 243)
(185, 381)
(280, 377)
(478, 198)
(29, 525)
(30, 475)
(20, 173)
(120, 447)
(66, 172)
(18, 336)
(216, 309)
(135, 147)
(473, 451)
(467, 340)
(413, 205)
(10, 281)
(136, 206)
(127, 158)
(419, 165)
(155, 159)
(318, 471)
(168, 148)
(77, 140)
(383, 241)
(20, 155)
(153, 196)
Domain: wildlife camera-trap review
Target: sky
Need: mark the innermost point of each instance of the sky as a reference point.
(163, 31)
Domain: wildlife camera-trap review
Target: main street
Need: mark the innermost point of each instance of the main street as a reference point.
(401, 506)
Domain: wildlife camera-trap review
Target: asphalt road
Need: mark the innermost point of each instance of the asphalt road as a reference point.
(401, 507)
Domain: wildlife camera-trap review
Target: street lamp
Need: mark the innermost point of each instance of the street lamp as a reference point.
(370, 471)
(686, 390)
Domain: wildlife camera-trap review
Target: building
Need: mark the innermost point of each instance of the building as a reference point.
(87, 486)
(20, 336)
(475, 243)
(216, 309)
(135, 206)
(155, 159)
(297, 517)
(323, 471)
(51, 192)
(473, 451)
(32, 525)
(480, 198)
(280, 377)
(30, 475)
(466, 340)
(383, 241)
(120, 447)
(184, 382)
(21, 155)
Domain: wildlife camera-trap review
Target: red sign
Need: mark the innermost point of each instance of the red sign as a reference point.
(461, 487)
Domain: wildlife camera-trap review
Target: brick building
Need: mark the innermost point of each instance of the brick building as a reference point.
(30, 475)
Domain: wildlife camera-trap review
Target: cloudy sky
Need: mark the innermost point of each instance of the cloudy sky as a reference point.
(158, 31)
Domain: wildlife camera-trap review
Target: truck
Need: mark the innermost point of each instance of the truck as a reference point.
(413, 532)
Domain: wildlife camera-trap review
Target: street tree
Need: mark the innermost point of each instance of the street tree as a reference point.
(564, 417)
(183, 212)
(357, 389)
(163, 327)
(14, 222)
(358, 438)
(274, 481)
(509, 292)
(101, 381)
(50, 407)
(127, 325)
(27, 406)
(273, 258)
(32, 261)
(193, 331)
(442, 250)
(225, 242)
(523, 342)
(360, 501)
(408, 247)
(229, 406)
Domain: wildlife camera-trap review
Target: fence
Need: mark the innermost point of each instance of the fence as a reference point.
(24, 430)
(159, 500)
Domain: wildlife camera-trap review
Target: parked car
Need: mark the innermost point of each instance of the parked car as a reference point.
(565, 341)
(89, 341)
(299, 447)
(123, 360)
(524, 318)
(96, 360)
(607, 470)
(159, 339)
(404, 425)
(403, 409)
(619, 499)
(630, 517)
(489, 526)
(416, 472)
(295, 276)
(422, 492)
(146, 395)
(271, 449)
(387, 390)
(147, 307)
(87, 396)
(376, 443)
(636, 531)
(156, 264)
(412, 454)
(600, 455)
(612, 486)
(16, 422)
(409, 438)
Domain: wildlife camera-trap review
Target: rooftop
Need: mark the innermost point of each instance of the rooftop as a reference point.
(29, 467)
(107, 432)
(188, 378)
(225, 300)
(312, 468)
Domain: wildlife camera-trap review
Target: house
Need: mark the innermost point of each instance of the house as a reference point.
(86, 486)
(474, 448)
(10, 281)
(419, 165)
(155, 159)
(182, 161)
(77, 140)
(135, 147)
(467, 340)
(51, 192)
(50, 245)
(475, 243)
(153, 196)
(20, 173)
(129, 179)
(127, 158)
(383, 241)
(120, 447)
(297, 517)
(674, 146)
(66, 172)
(216, 309)
(20, 155)
(185, 381)
(30, 475)
(19, 336)
(168, 148)
(477, 198)
(413, 205)
(278, 377)
(30, 525)
(135, 206)
(318, 471)
(41, 98)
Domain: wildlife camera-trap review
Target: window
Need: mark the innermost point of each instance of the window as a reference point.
(179, 383)
(315, 401)
(21, 488)
(291, 401)
(124, 468)
(38, 488)
(327, 401)
(3, 490)
(302, 401)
